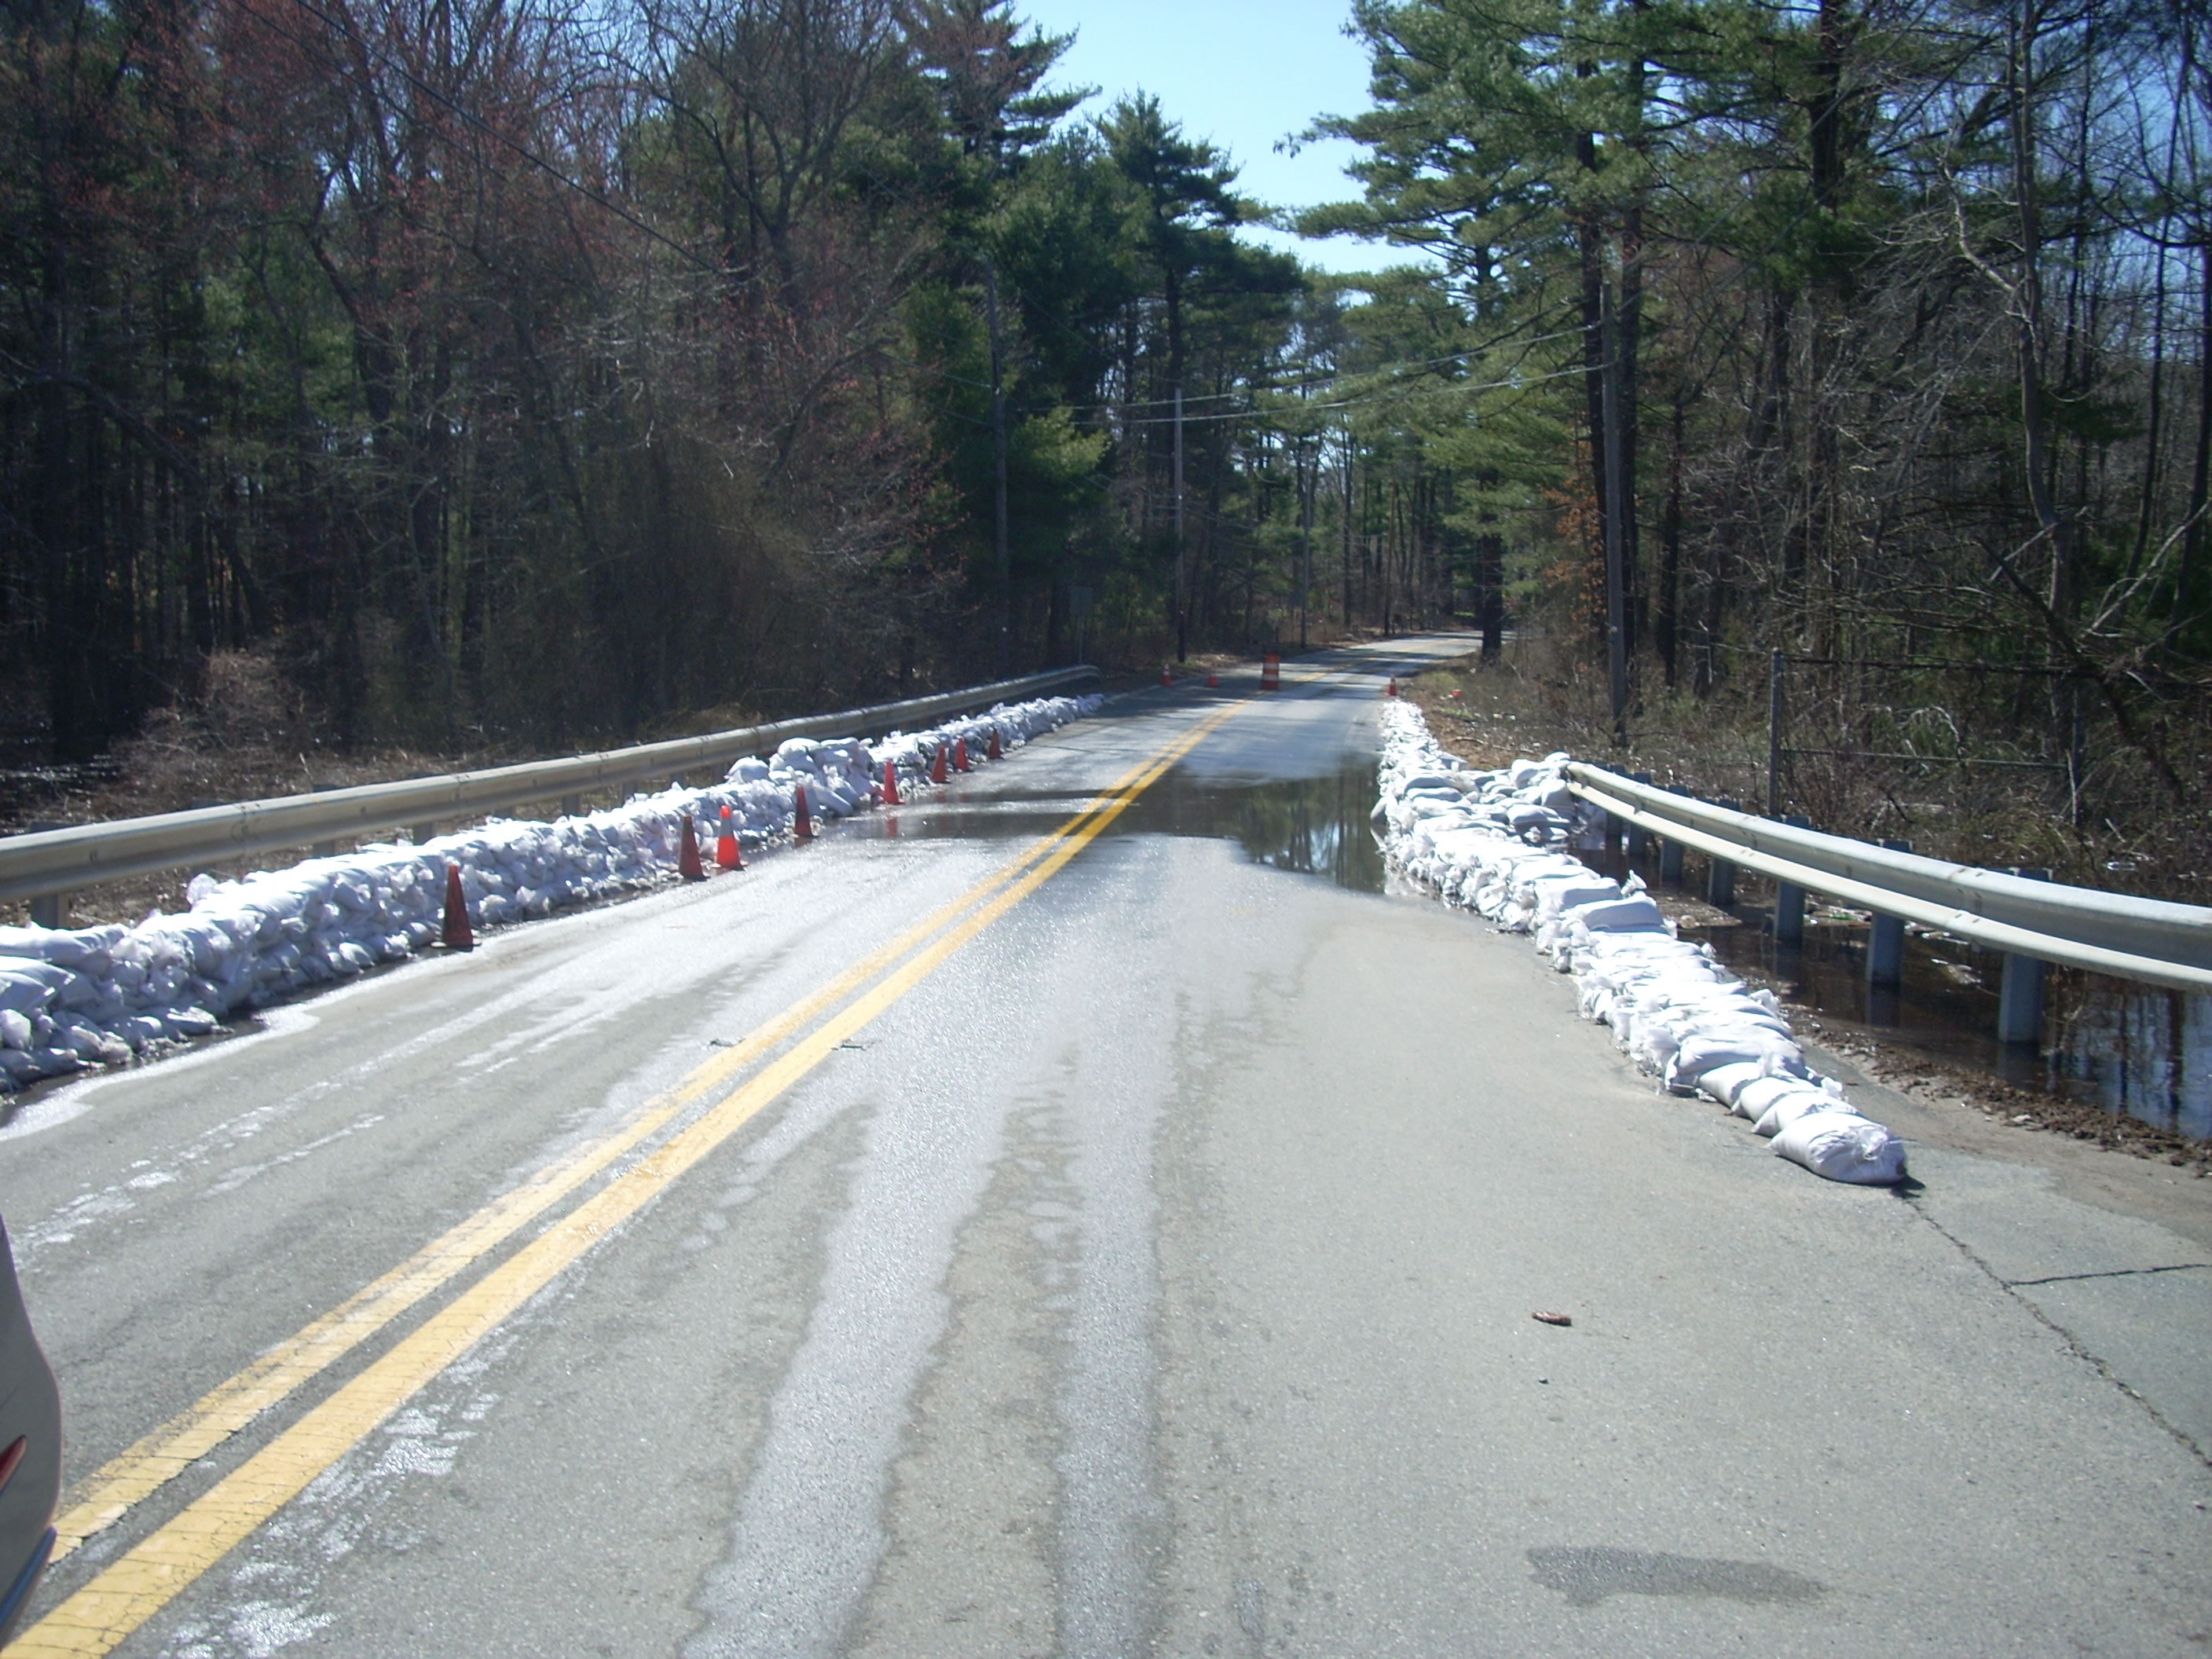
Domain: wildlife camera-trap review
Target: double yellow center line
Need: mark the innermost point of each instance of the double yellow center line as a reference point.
(140, 1583)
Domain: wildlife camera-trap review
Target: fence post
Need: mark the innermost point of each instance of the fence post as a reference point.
(1884, 961)
(1790, 899)
(2019, 995)
(1720, 875)
(1774, 672)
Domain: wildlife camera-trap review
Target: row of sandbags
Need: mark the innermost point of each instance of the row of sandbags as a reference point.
(71, 998)
(1498, 842)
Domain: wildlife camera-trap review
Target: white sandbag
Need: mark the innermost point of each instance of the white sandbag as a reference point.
(1625, 915)
(1752, 1099)
(1789, 1105)
(1705, 1049)
(1573, 892)
(29, 992)
(1675, 1009)
(1841, 1145)
(1723, 1082)
(98, 993)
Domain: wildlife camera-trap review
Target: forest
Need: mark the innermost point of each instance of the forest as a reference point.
(505, 375)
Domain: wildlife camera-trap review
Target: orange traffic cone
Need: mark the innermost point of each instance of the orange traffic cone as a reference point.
(937, 765)
(1392, 690)
(960, 757)
(726, 856)
(687, 854)
(1212, 681)
(995, 752)
(458, 936)
(1166, 678)
(890, 785)
(802, 827)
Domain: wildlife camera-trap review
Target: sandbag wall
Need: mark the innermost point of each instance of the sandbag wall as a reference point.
(74, 997)
(1498, 842)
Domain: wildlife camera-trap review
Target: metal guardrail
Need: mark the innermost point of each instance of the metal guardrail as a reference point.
(83, 855)
(2153, 940)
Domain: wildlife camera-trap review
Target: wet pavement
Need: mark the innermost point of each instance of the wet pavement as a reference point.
(1310, 826)
(1129, 1252)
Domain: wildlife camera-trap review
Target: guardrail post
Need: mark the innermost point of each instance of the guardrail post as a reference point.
(325, 849)
(1884, 961)
(1720, 875)
(1790, 899)
(1670, 858)
(572, 806)
(47, 910)
(2019, 995)
(1639, 838)
(422, 832)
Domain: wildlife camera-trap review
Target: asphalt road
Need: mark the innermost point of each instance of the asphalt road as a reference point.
(1139, 1259)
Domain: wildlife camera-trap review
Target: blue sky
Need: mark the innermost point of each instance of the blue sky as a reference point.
(1242, 74)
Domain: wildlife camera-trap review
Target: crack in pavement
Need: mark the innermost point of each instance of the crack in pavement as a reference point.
(2110, 1273)
(2072, 1344)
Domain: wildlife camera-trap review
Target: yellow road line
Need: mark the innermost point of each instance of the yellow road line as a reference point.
(159, 1456)
(100, 1616)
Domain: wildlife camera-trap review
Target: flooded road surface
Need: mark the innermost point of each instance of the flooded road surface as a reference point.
(1310, 826)
(1035, 1233)
(2129, 1048)
(1316, 826)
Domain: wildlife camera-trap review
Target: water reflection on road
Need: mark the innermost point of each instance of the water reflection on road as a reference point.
(2133, 1049)
(1312, 826)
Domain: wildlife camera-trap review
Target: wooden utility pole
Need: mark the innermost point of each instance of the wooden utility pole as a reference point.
(1347, 516)
(1181, 599)
(1308, 474)
(1616, 559)
(1002, 555)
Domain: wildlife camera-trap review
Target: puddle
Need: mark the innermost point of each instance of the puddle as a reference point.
(1315, 826)
(1311, 826)
(2129, 1048)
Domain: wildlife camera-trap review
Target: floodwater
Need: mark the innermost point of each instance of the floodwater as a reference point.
(2127, 1047)
(1314, 826)
(1311, 826)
